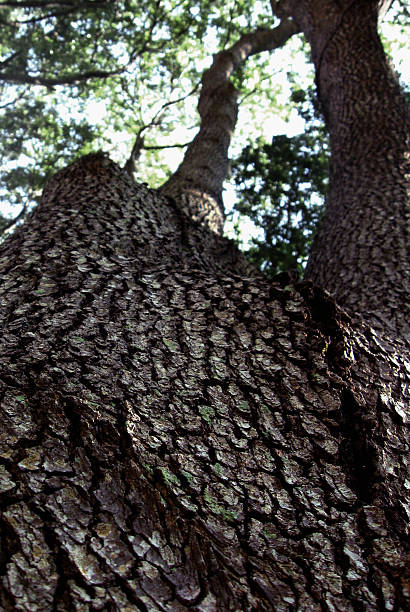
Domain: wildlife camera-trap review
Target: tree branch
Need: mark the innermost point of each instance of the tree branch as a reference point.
(7, 224)
(13, 102)
(205, 166)
(177, 145)
(55, 3)
(131, 164)
(69, 79)
(54, 14)
(10, 58)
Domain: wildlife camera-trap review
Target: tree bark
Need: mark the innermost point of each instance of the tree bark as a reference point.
(361, 253)
(179, 437)
(180, 434)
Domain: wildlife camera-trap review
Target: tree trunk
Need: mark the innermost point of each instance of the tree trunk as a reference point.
(361, 254)
(178, 433)
(178, 436)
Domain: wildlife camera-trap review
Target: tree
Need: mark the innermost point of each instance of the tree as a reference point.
(178, 431)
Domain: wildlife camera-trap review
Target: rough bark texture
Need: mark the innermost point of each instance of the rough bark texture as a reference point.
(176, 436)
(177, 432)
(196, 186)
(361, 254)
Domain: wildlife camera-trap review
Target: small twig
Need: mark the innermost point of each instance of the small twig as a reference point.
(131, 164)
(173, 146)
(13, 102)
(171, 102)
(10, 58)
(257, 89)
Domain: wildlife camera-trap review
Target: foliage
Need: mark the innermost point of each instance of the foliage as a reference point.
(281, 187)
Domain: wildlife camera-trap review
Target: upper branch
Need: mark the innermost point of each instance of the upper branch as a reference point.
(55, 3)
(361, 250)
(197, 184)
(69, 79)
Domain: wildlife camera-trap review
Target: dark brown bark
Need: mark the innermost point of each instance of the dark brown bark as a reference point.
(179, 437)
(361, 254)
(177, 432)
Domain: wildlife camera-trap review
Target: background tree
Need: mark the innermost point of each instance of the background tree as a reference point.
(178, 431)
(281, 187)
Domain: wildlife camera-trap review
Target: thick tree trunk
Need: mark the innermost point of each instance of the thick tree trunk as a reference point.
(361, 254)
(179, 437)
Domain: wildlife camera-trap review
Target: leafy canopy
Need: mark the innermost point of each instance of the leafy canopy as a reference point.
(129, 56)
